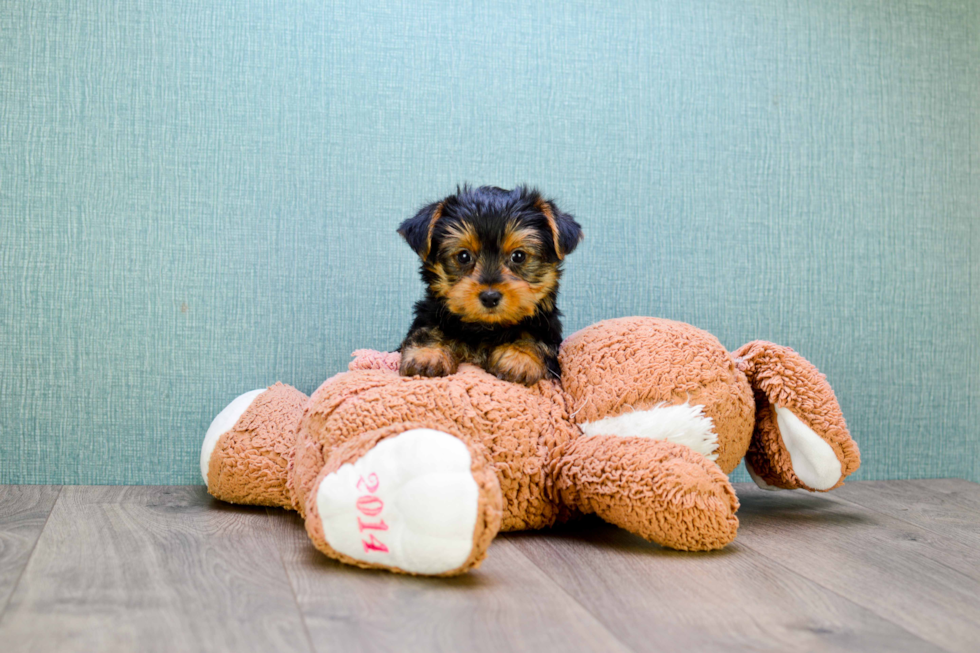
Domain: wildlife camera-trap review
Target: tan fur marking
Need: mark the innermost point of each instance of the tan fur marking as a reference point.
(436, 215)
(462, 236)
(441, 286)
(515, 238)
(520, 362)
(549, 215)
(541, 289)
(517, 303)
(435, 360)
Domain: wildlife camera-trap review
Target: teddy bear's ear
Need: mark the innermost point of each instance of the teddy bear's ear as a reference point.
(417, 231)
(566, 231)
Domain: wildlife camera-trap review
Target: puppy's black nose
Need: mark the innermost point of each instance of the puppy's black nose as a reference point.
(490, 298)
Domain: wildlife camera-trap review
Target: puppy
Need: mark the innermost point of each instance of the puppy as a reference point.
(491, 262)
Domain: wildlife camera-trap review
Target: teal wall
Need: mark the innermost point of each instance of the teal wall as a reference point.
(198, 198)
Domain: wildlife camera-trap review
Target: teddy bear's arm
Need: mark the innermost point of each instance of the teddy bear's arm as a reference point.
(246, 452)
(660, 490)
(800, 438)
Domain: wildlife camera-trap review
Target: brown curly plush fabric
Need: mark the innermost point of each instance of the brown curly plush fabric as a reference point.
(520, 428)
(368, 359)
(610, 368)
(783, 377)
(531, 462)
(250, 461)
(685, 499)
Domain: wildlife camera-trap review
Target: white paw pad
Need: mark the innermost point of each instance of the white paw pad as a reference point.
(814, 461)
(410, 502)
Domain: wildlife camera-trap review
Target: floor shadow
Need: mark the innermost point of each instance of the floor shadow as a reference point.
(216, 505)
(592, 531)
(315, 562)
(799, 507)
(757, 508)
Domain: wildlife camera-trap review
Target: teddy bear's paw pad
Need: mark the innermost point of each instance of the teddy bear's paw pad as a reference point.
(223, 423)
(814, 461)
(410, 502)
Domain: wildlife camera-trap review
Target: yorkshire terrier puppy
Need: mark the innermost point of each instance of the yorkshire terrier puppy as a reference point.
(491, 262)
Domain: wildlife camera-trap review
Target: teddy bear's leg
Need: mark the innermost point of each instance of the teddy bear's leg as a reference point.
(408, 499)
(800, 438)
(246, 450)
(663, 491)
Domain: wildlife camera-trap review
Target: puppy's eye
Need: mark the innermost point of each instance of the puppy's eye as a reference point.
(518, 257)
(463, 258)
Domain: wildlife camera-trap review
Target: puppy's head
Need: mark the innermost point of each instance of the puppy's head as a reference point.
(493, 256)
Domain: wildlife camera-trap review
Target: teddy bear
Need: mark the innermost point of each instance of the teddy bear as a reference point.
(417, 475)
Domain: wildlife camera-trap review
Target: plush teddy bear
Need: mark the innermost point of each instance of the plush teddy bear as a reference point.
(417, 475)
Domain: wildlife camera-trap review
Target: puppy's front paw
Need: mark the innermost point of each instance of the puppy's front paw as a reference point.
(517, 363)
(427, 361)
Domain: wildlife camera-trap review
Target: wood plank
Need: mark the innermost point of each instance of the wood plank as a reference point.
(507, 604)
(153, 569)
(23, 511)
(927, 583)
(933, 505)
(729, 600)
(956, 491)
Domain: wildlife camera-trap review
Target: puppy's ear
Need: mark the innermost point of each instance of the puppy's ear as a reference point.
(565, 230)
(417, 231)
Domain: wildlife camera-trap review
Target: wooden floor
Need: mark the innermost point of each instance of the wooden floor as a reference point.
(873, 566)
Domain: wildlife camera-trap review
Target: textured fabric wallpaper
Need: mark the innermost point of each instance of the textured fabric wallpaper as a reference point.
(198, 198)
